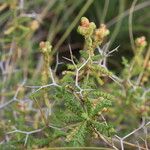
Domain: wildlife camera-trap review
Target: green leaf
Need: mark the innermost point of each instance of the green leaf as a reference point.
(102, 104)
(72, 103)
(104, 128)
(77, 136)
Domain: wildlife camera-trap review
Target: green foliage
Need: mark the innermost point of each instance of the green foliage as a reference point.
(102, 104)
(104, 128)
(77, 135)
(85, 101)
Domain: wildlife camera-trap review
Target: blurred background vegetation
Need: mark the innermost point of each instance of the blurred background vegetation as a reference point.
(24, 23)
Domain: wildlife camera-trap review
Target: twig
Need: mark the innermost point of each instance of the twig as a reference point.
(77, 148)
(45, 86)
(126, 13)
(107, 142)
(77, 71)
(15, 96)
(42, 114)
(105, 9)
(147, 56)
(134, 131)
(72, 25)
(26, 132)
(57, 62)
(130, 25)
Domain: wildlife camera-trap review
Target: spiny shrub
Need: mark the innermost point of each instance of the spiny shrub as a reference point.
(86, 102)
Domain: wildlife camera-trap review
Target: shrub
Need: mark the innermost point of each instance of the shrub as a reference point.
(86, 102)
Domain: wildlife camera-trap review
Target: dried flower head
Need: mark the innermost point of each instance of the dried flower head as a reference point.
(34, 25)
(101, 32)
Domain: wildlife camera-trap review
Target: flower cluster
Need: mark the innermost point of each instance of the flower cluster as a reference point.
(94, 37)
(140, 42)
(45, 47)
(100, 34)
(86, 28)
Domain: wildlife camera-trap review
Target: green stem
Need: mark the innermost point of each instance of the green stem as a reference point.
(73, 24)
(79, 148)
(117, 27)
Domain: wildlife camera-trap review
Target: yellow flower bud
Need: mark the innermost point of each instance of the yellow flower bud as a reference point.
(34, 25)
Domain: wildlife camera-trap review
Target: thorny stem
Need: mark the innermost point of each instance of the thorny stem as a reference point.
(78, 148)
(26, 132)
(105, 140)
(15, 96)
(43, 86)
(42, 114)
(77, 70)
(31, 132)
(57, 62)
(134, 131)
